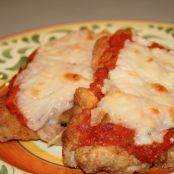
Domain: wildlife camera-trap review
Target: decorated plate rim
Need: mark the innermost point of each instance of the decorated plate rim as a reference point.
(73, 24)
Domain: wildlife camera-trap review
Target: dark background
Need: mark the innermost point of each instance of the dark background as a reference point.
(18, 15)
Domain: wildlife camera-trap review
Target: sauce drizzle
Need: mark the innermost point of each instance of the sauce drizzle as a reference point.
(11, 102)
(106, 133)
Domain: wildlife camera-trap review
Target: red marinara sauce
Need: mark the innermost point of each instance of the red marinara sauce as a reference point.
(110, 55)
(156, 45)
(11, 102)
(106, 133)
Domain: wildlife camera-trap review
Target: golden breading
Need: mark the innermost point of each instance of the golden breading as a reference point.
(168, 158)
(11, 128)
(95, 158)
(110, 159)
(50, 123)
(92, 159)
(99, 48)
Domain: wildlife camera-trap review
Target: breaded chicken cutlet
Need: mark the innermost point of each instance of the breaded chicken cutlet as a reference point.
(11, 128)
(40, 96)
(123, 123)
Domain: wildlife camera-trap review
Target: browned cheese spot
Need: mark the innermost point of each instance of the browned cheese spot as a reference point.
(132, 73)
(72, 77)
(77, 45)
(159, 88)
(34, 92)
(155, 110)
(136, 51)
(90, 36)
(171, 111)
(149, 59)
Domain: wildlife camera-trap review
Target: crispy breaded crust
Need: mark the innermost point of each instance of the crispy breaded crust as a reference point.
(96, 158)
(50, 134)
(111, 159)
(168, 159)
(99, 48)
(92, 159)
(10, 127)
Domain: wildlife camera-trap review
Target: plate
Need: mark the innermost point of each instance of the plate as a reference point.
(35, 156)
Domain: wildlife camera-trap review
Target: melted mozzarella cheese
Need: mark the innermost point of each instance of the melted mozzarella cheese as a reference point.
(139, 92)
(48, 83)
(76, 47)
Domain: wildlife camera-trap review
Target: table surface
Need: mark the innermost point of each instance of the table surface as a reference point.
(19, 15)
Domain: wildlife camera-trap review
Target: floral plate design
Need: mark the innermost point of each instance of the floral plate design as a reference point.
(35, 156)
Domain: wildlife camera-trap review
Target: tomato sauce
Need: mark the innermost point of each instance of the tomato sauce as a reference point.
(108, 59)
(96, 86)
(11, 102)
(106, 133)
(156, 45)
(32, 55)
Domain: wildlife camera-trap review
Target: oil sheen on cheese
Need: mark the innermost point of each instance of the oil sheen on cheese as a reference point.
(139, 92)
(48, 83)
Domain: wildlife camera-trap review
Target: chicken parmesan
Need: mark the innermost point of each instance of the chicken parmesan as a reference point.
(41, 95)
(124, 122)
